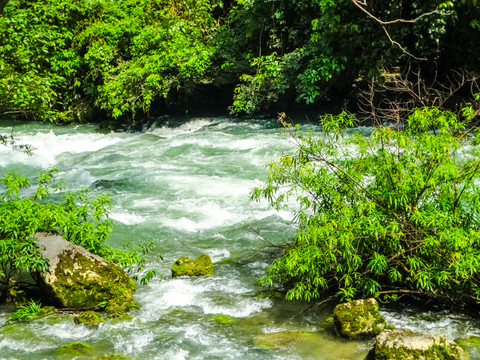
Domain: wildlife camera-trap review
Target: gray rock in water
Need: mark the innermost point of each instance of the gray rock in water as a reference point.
(402, 344)
(78, 279)
(358, 319)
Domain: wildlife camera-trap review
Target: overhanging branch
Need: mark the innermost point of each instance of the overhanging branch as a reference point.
(362, 6)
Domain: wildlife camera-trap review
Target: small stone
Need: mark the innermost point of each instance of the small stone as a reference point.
(281, 339)
(114, 357)
(75, 349)
(89, 318)
(201, 266)
(402, 344)
(358, 319)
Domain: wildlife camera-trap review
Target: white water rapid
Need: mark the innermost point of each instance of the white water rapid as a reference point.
(186, 187)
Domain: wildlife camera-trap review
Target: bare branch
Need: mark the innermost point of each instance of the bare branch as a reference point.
(394, 98)
(359, 4)
(362, 6)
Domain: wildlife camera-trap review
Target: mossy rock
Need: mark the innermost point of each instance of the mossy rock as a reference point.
(89, 318)
(114, 357)
(79, 279)
(76, 349)
(121, 305)
(471, 344)
(402, 344)
(358, 319)
(47, 310)
(281, 339)
(224, 319)
(120, 317)
(201, 266)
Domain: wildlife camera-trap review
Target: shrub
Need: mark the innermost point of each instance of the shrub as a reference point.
(383, 214)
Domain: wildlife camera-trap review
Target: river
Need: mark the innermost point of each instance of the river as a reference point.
(186, 186)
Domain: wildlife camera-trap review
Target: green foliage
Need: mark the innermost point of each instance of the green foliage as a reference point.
(80, 218)
(123, 54)
(320, 47)
(389, 213)
(30, 311)
(60, 59)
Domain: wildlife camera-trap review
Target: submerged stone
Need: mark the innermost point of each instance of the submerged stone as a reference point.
(76, 349)
(358, 319)
(114, 357)
(402, 344)
(77, 278)
(471, 344)
(281, 339)
(201, 266)
(47, 310)
(89, 318)
(224, 319)
(120, 317)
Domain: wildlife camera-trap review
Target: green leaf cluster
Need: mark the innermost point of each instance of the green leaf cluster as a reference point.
(389, 213)
(29, 311)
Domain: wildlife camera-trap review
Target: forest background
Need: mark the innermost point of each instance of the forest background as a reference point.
(130, 60)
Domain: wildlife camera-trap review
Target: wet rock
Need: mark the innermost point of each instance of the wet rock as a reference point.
(47, 311)
(78, 279)
(402, 344)
(281, 339)
(114, 357)
(358, 319)
(471, 344)
(76, 349)
(201, 266)
(89, 318)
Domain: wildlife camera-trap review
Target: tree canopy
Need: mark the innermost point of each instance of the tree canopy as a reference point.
(64, 61)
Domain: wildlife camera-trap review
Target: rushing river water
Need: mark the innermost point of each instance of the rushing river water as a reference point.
(186, 187)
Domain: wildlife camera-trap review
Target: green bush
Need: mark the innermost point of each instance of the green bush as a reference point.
(393, 212)
(80, 218)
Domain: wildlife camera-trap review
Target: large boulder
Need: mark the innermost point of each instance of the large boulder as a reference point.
(79, 279)
(358, 319)
(402, 344)
(201, 266)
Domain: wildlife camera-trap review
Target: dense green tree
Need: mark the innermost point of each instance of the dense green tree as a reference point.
(343, 44)
(384, 214)
(60, 59)
(119, 56)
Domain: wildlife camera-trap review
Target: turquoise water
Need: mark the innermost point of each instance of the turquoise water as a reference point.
(186, 187)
